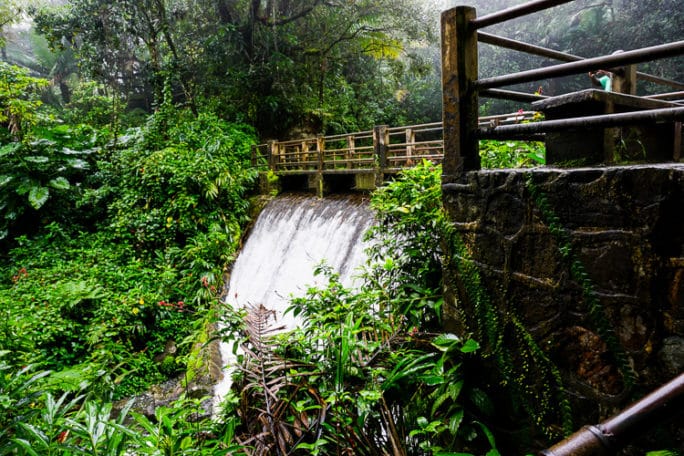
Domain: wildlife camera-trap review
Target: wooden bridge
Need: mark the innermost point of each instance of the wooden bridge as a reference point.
(361, 160)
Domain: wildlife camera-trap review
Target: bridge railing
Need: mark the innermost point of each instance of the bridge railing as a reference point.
(462, 88)
(385, 149)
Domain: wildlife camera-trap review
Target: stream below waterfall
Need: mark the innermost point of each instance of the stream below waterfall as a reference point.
(292, 235)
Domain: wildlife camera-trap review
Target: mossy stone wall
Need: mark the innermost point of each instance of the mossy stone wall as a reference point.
(572, 253)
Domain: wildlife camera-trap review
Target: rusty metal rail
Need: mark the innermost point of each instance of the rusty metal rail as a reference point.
(565, 69)
(515, 12)
(606, 438)
(533, 49)
(607, 120)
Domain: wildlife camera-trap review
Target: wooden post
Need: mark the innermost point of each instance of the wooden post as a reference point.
(459, 94)
(272, 154)
(381, 141)
(305, 155)
(410, 146)
(320, 151)
(283, 157)
(351, 145)
(625, 81)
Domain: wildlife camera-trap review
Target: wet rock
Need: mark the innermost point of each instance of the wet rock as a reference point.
(671, 355)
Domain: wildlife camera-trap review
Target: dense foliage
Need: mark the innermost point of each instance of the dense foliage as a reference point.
(282, 66)
(369, 370)
(112, 247)
(74, 311)
(124, 182)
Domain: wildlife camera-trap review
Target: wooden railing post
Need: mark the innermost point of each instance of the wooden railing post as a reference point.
(459, 93)
(381, 141)
(305, 155)
(272, 154)
(410, 146)
(351, 145)
(320, 150)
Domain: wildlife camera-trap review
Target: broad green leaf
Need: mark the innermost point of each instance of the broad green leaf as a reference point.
(446, 341)
(25, 185)
(37, 159)
(60, 183)
(5, 179)
(490, 438)
(28, 448)
(470, 346)
(77, 163)
(455, 421)
(38, 196)
(9, 148)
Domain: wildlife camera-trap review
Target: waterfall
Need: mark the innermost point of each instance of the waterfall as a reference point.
(291, 236)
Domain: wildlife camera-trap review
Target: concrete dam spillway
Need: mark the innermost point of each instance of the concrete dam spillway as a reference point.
(291, 236)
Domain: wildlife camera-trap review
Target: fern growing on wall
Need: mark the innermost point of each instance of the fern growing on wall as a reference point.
(523, 367)
(595, 311)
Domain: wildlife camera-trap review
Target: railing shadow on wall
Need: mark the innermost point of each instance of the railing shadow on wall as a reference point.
(462, 89)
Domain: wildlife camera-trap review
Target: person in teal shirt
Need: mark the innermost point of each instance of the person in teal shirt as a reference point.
(602, 78)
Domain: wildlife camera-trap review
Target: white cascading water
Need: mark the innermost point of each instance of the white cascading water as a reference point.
(292, 235)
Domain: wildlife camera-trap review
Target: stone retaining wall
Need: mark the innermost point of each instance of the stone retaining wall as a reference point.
(625, 227)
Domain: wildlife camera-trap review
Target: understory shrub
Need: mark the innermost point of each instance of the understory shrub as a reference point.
(181, 192)
(368, 371)
(129, 254)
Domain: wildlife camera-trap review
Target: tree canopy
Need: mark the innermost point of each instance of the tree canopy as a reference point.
(278, 64)
(293, 68)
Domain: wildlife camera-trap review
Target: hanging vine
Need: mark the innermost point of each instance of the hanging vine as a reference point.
(596, 312)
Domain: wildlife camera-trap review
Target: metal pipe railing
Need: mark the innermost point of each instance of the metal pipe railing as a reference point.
(667, 96)
(512, 95)
(566, 69)
(606, 438)
(601, 121)
(540, 51)
(662, 81)
(521, 46)
(515, 12)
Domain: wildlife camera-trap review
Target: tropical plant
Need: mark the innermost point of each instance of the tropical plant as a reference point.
(180, 187)
(511, 154)
(41, 177)
(405, 250)
(338, 384)
(78, 424)
(19, 101)
(17, 394)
